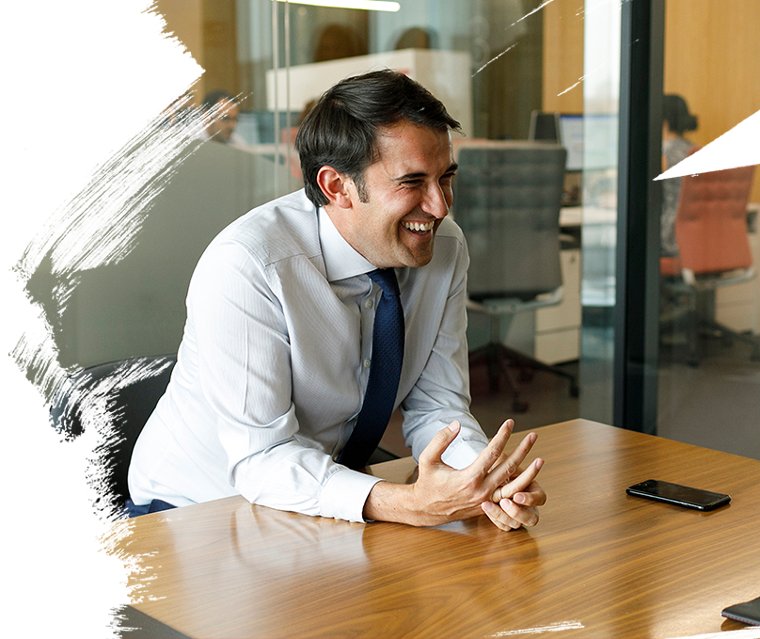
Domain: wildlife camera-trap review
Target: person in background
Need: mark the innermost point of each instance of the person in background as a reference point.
(675, 147)
(222, 127)
(277, 364)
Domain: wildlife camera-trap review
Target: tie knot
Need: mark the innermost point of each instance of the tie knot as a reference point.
(385, 278)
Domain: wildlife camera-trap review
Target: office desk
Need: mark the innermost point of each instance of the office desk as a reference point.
(599, 564)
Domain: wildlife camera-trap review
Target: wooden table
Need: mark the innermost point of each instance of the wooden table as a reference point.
(599, 564)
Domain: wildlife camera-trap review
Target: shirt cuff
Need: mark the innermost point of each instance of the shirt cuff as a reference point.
(345, 493)
(460, 453)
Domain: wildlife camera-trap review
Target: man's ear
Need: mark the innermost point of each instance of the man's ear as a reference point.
(334, 185)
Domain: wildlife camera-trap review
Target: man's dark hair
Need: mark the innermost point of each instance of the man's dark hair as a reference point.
(341, 129)
(212, 97)
(675, 112)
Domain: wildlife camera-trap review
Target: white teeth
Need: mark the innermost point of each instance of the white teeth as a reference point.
(418, 226)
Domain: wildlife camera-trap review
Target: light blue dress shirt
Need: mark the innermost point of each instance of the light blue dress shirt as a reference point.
(275, 358)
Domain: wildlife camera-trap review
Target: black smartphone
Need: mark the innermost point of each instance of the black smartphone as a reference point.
(679, 495)
(746, 612)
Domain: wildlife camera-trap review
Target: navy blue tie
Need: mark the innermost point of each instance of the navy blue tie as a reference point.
(384, 373)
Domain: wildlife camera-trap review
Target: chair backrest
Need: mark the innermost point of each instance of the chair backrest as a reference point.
(130, 390)
(711, 221)
(507, 199)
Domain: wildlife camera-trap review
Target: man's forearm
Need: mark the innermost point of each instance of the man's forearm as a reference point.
(400, 503)
(393, 502)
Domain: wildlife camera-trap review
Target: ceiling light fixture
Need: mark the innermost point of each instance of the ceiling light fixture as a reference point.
(367, 5)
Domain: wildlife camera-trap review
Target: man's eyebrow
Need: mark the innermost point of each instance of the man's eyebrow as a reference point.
(410, 176)
(421, 174)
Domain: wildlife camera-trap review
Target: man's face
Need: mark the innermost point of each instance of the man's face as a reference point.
(222, 128)
(408, 191)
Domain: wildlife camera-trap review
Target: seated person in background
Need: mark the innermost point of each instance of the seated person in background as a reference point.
(675, 147)
(222, 127)
(279, 350)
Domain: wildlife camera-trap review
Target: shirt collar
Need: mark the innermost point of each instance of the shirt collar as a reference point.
(341, 259)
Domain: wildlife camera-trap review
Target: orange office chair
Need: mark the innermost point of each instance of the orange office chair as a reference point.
(714, 251)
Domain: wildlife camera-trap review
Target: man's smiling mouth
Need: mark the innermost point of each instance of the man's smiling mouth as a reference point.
(418, 227)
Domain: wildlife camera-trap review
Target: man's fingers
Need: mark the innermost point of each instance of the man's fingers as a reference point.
(508, 515)
(522, 515)
(519, 483)
(502, 472)
(531, 497)
(499, 517)
(491, 454)
(521, 452)
(437, 446)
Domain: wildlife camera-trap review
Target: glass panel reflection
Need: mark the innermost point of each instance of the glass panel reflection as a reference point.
(709, 308)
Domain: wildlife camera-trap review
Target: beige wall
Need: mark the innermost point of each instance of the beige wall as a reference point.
(563, 57)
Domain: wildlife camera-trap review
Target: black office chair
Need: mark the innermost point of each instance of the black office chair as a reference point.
(130, 389)
(507, 202)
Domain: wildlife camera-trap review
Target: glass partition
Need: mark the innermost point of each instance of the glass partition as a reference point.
(497, 65)
(709, 318)
(601, 95)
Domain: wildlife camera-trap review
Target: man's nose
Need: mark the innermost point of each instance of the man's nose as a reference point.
(435, 203)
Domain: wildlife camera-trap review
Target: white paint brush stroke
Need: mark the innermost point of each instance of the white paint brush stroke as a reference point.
(512, 46)
(494, 59)
(86, 78)
(558, 626)
(530, 13)
(739, 146)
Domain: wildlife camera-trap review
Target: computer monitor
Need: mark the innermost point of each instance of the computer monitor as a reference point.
(571, 137)
(590, 140)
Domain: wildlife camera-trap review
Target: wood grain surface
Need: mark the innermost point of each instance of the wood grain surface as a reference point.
(599, 564)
